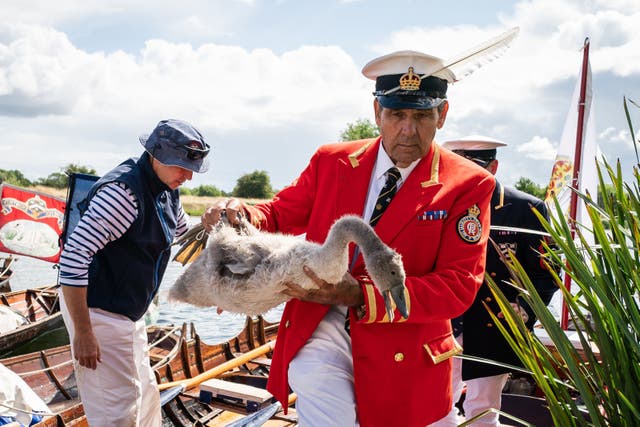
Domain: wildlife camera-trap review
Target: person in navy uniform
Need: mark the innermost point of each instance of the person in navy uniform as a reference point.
(475, 329)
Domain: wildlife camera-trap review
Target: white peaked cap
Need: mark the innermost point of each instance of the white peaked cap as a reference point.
(473, 143)
(399, 62)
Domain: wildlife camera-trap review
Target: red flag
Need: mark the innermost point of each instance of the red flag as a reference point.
(30, 223)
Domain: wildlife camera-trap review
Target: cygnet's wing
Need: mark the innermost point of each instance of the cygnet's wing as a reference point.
(241, 259)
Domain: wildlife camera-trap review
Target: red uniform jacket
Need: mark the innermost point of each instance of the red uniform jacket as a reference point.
(401, 367)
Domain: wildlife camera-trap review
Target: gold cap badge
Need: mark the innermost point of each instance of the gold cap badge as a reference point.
(410, 80)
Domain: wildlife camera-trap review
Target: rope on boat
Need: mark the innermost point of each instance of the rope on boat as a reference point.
(26, 411)
(59, 365)
(7, 265)
(167, 335)
(50, 368)
(169, 356)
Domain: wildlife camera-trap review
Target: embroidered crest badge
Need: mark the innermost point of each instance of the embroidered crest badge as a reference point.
(469, 227)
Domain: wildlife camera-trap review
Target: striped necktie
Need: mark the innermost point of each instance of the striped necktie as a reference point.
(386, 194)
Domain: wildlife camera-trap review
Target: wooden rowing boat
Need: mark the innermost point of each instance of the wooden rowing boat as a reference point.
(177, 355)
(49, 373)
(247, 380)
(32, 312)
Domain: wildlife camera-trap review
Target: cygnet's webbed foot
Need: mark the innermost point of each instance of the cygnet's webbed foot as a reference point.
(395, 296)
(191, 244)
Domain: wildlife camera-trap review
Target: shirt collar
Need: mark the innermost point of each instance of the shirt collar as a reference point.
(384, 162)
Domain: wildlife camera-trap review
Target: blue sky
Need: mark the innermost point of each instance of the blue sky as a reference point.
(269, 81)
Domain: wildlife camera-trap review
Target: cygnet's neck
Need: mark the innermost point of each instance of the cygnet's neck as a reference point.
(351, 229)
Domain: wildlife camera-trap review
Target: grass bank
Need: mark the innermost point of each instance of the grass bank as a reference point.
(195, 205)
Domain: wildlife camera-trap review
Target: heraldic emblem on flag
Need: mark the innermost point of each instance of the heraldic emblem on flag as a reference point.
(561, 176)
(30, 223)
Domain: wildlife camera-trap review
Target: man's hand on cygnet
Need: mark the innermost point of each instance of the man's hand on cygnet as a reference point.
(213, 213)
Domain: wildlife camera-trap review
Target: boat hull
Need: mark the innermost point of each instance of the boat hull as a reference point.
(40, 310)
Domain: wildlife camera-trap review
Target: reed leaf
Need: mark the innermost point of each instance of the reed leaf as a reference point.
(630, 124)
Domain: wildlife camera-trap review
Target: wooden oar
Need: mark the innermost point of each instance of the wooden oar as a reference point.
(172, 389)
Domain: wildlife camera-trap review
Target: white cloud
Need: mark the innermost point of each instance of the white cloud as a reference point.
(539, 148)
(40, 71)
(91, 107)
(225, 85)
(615, 136)
(268, 108)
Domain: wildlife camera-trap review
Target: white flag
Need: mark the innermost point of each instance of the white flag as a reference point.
(562, 173)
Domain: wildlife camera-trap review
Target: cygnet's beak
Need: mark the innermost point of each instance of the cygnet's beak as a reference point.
(396, 294)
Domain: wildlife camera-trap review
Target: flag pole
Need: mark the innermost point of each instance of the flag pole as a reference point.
(577, 164)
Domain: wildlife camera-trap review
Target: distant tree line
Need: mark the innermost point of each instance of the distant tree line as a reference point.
(255, 185)
(54, 180)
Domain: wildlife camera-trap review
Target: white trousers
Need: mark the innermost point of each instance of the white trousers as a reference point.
(321, 375)
(482, 394)
(122, 390)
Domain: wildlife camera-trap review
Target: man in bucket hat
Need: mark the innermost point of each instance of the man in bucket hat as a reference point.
(431, 206)
(111, 268)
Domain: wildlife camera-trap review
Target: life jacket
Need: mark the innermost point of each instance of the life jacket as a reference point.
(125, 275)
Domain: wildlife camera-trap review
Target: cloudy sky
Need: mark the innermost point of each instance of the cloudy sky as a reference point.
(267, 81)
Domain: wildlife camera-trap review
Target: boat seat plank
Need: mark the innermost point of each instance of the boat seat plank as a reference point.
(244, 392)
(265, 361)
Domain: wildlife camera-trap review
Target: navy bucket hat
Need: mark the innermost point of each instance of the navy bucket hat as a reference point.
(177, 143)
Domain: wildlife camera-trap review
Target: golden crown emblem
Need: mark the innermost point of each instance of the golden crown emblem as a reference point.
(410, 80)
(474, 210)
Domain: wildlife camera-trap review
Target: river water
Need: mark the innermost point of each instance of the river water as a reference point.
(212, 327)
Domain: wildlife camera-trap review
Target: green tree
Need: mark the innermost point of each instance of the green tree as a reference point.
(528, 186)
(61, 179)
(207, 191)
(14, 177)
(73, 168)
(55, 180)
(362, 128)
(609, 191)
(256, 185)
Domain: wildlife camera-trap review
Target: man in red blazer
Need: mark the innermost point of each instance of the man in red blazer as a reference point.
(386, 371)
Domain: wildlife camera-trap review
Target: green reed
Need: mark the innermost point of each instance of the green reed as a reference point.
(598, 385)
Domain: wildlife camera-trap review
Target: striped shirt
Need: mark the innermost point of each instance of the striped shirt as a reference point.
(111, 212)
